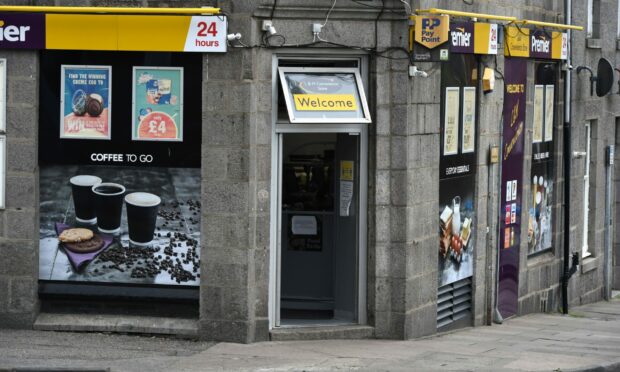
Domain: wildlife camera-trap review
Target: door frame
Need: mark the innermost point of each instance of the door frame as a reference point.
(276, 206)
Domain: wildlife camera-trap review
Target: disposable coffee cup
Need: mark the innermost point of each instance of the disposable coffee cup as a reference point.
(108, 206)
(142, 210)
(83, 197)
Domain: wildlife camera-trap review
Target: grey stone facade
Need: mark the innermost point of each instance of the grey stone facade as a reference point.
(403, 174)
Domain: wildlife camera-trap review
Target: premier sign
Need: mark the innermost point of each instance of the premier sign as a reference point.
(462, 37)
(540, 44)
(22, 31)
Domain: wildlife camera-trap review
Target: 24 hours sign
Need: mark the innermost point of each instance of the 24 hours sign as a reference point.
(157, 104)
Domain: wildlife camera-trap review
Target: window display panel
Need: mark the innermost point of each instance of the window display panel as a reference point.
(120, 211)
(540, 210)
(456, 210)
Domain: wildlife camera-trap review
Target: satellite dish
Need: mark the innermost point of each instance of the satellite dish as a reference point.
(604, 77)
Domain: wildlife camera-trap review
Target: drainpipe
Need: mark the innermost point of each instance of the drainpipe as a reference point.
(566, 135)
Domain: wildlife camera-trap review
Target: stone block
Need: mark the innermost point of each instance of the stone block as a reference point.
(398, 225)
(421, 290)
(223, 66)
(382, 188)
(398, 190)
(224, 330)
(399, 88)
(225, 231)
(211, 302)
(237, 164)
(383, 294)
(415, 122)
(379, 262)
(18, 259)
(214, 163)
(22, 92)
(235, 304)
(263, 163)
(422, 221)
(17, 320)
(261, 268)
(21, 155)
(382, 89)
(23, 63)
(399, 120)
(21, 224)
(421, 322)
(4, 293)
(261, 330)
(225, 129)
(398, 152)
(432, 118)
(261, 302)
(225, 275)
(225, 197)
(23, 297)
(20, 191)
(425, 256)
(22, 122)
(382, 120)
(398, 255)
(383, 153)
(230, 96)
(382, 224)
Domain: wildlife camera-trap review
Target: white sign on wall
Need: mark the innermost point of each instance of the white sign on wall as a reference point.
(2, 170)
(2, 95)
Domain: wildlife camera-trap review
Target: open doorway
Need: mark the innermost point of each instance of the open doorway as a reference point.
(319, 228)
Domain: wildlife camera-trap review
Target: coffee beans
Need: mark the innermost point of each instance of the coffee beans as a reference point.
(172, 253)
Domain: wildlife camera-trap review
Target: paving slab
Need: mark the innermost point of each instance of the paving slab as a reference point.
(589, 340)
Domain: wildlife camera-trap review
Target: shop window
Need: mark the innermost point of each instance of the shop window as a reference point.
(119, 156)
(542, 180)
(593, 25)
(324, 95)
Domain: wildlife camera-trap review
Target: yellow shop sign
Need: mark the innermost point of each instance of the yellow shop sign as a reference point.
(517, 42)
(432, 30)
(325, 102)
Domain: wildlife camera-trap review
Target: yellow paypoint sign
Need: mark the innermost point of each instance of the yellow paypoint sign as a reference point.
(432, 30)
(325, 102)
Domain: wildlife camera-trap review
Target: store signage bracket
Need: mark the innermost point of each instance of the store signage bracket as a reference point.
(202, 30)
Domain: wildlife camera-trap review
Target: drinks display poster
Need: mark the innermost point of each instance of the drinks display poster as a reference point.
(86, 102)
(157, 104)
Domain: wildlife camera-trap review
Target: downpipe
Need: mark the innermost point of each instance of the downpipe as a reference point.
(567, 271)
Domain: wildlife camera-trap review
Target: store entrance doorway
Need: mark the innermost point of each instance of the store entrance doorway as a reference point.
(319, 228)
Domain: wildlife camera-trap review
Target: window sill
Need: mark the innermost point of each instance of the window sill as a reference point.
(592, 43)
(588, 264)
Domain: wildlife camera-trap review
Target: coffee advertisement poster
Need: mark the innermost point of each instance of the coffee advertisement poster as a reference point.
(86, 102)
(157, 104)
(120, 213)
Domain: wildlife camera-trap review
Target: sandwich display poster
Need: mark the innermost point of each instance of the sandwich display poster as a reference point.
(85, 102)
(157, 102)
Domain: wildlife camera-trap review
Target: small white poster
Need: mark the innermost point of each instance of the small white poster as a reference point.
(451, 122)
(549, 92)
(346, 196)
(537, 135)
(469, 119)
(304, 225)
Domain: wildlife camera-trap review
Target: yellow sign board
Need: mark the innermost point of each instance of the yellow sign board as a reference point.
(325, 102)
(432, 30)
(485, 38)
(135, 32)
(346, 170)
(517, 42)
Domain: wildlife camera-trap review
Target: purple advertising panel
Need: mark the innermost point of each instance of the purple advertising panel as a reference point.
(540, 44)
(461, 37)
(515, 77)
(22, 31)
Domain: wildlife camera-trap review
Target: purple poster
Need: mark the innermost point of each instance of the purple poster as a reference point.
(22, 31)
(515, 77)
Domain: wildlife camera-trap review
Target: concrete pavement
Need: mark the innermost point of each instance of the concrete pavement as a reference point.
(588, 339)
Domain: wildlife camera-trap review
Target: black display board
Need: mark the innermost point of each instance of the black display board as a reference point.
(54, 150)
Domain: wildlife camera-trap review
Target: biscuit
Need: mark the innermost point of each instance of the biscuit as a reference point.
(75, 235)
(87, 246)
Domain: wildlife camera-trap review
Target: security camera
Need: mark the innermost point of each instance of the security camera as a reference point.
(232, 37)
(414, 72)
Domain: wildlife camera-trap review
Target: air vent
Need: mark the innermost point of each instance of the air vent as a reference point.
(453, 302)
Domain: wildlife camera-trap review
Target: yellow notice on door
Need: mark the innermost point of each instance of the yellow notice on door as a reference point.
(325, 102)
(346, 170)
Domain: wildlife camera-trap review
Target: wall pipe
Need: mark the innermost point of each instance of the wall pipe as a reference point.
(566, 136)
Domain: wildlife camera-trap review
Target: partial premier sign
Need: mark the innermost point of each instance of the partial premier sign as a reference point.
(85, 102)
(22, 31)
(157, 104)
